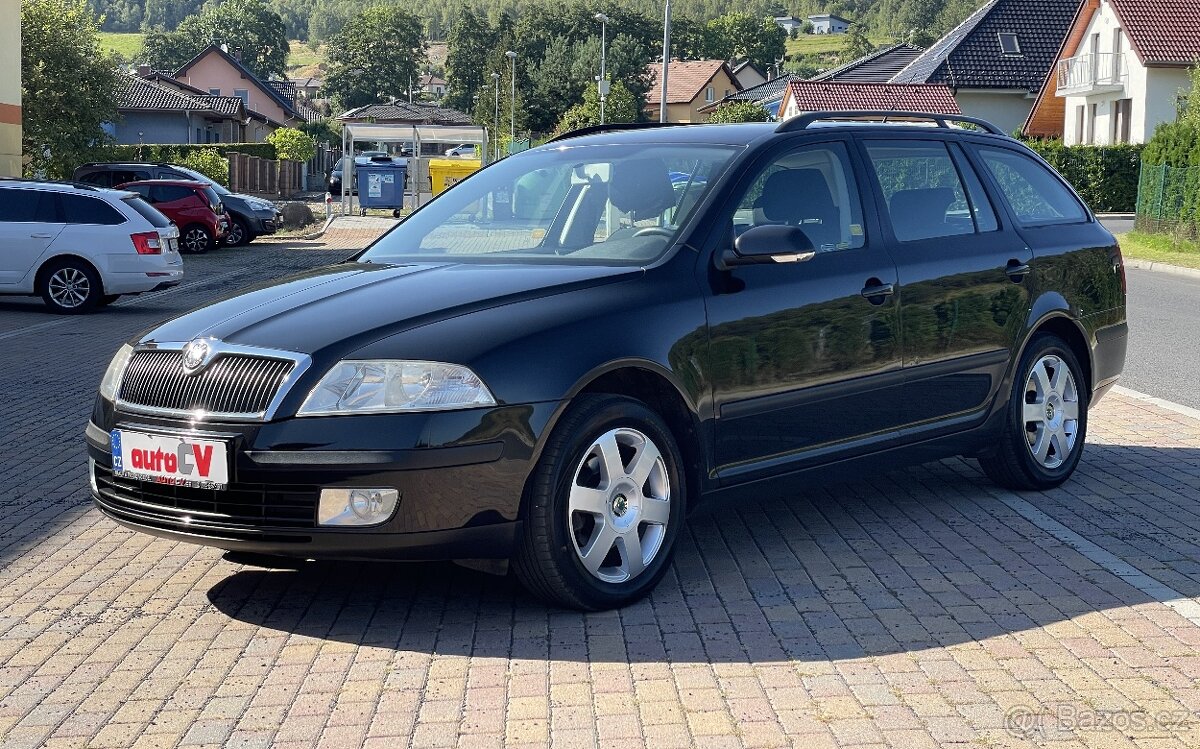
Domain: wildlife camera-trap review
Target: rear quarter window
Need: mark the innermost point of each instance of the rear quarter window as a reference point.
(148, 212)
(1036, 196)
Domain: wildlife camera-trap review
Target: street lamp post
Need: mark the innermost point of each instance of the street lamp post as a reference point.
(602, 81)
(666, 62)
(512, 126)
(496, 118)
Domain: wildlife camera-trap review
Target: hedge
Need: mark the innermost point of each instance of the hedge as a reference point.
(174, 152)
(1106, 177)
(1170, 190)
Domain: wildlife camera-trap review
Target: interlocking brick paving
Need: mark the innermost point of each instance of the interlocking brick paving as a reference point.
(910, 609)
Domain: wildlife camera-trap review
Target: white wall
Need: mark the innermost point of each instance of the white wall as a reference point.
(1006, 110)
(1154, 91)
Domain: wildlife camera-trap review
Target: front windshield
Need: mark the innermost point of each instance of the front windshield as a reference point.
(201, 178)
(611, 205)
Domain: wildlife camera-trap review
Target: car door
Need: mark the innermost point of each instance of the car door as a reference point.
(798, 357)
(29, 223)
(176, 201)
(962, 272)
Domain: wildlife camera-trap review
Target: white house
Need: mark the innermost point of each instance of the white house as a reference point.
(789, 24)
(827, 23)
(1124, 69)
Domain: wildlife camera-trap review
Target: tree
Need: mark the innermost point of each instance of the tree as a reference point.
(470, 40)
(248, 28)
(292, 144)
(737, 35)
(378, 53)
(739, 111)
(68, 86)
(1190, 108)
(620, 106)
(166, 15)
(857, 43)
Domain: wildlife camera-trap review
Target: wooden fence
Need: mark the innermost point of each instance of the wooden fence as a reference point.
(266, 177)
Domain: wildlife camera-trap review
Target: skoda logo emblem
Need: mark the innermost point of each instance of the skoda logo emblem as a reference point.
(195, 355)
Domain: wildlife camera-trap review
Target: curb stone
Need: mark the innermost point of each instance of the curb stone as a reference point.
(1175, 270)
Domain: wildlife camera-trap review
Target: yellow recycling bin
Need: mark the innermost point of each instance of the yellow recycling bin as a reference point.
(445, 172)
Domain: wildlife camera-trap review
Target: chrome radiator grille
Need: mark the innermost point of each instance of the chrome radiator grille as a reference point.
(237, 384)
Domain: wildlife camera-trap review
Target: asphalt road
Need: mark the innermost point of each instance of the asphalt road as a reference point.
(1164, 343)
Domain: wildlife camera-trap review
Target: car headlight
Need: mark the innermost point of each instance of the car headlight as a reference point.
(260, 205)
(391, 386)
(116, 370)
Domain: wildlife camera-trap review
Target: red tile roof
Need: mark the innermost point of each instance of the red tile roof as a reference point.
(685, 80)
(824, 96)
(1162, 31)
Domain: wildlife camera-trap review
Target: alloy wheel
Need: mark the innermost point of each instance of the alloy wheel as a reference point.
(236, 234)
(195, 240)
(1051, 411)
(69, 287)
(619, 505)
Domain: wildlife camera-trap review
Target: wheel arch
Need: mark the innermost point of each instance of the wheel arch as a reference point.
(40, 276)
(658, 388)
(1070, 330)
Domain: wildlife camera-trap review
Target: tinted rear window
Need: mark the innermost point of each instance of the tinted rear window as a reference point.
(35, 206)
(170, 193)
(148, 212)
(81, 209)
(1036, 196)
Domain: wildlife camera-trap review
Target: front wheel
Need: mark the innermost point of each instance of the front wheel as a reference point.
(605, 505)
(239, 235)
(1046, 421)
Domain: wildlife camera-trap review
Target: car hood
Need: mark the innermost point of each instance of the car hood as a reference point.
(344, 307)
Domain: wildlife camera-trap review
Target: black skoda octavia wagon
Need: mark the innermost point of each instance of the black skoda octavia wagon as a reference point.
(557, 360)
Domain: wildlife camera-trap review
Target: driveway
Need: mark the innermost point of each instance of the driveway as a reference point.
(912, 609)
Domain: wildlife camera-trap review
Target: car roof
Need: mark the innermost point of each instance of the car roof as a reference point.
(176, 182)
(125, 164)
(50, 184)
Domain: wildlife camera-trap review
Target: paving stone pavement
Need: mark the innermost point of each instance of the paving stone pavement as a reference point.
(912, 609)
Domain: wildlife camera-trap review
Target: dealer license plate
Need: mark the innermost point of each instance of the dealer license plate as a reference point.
(177, 461)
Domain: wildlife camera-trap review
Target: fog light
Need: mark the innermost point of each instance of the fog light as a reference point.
(92, 478)
(355, 506)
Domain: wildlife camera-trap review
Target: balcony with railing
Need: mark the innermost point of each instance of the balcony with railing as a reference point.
(1091, 74)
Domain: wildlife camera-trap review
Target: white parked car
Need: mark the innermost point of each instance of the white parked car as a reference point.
(81, 247)
(466, 150)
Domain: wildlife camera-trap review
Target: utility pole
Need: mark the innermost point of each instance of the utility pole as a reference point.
(666, 61)
(603, 79)
(496, 117)
(512, 125)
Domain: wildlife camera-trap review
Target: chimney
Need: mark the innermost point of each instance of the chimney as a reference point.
(144, 71)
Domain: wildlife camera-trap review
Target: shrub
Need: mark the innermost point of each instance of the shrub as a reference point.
(739, 111)
(292, 144)
(209, 163)
(1106, 177)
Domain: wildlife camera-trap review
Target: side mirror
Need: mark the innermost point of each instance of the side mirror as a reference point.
(770, 243)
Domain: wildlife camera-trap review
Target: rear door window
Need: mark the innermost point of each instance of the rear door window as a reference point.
(170, 193)
(923, 191)
(81, 209)
(1036, 196)
(28, 206)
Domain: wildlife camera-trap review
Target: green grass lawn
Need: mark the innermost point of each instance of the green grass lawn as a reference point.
(820, 44)
(128, 46)
(300, 55)
(1160, 248)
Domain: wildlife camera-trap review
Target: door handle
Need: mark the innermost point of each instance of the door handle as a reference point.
(877, 292)
(42, 236)
(1016, 270)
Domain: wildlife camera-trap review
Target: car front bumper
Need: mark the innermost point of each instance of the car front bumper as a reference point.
(460, 476)
(265, 222)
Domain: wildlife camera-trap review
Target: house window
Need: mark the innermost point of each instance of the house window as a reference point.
(1009, 45)
(1093, 116)
(214, 91)
(709, 94)
(1122, 110)
(242, 94)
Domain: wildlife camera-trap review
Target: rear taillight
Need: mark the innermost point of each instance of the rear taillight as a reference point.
(147, 243)
(1119, 262)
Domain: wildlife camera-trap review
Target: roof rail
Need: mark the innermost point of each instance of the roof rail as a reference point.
(616, 126)
(801, 122)
(58, 182)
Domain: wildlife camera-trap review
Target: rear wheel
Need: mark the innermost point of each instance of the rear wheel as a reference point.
(71, 287)
(605, 506)
(1046, 422)
(195, 239)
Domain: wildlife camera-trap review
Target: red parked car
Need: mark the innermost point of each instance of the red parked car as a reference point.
(193, 206)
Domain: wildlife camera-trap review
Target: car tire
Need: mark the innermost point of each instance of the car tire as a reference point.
(70, 287)
(582, 507)
(239, 234)
(1045, 423)
(195, 239)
